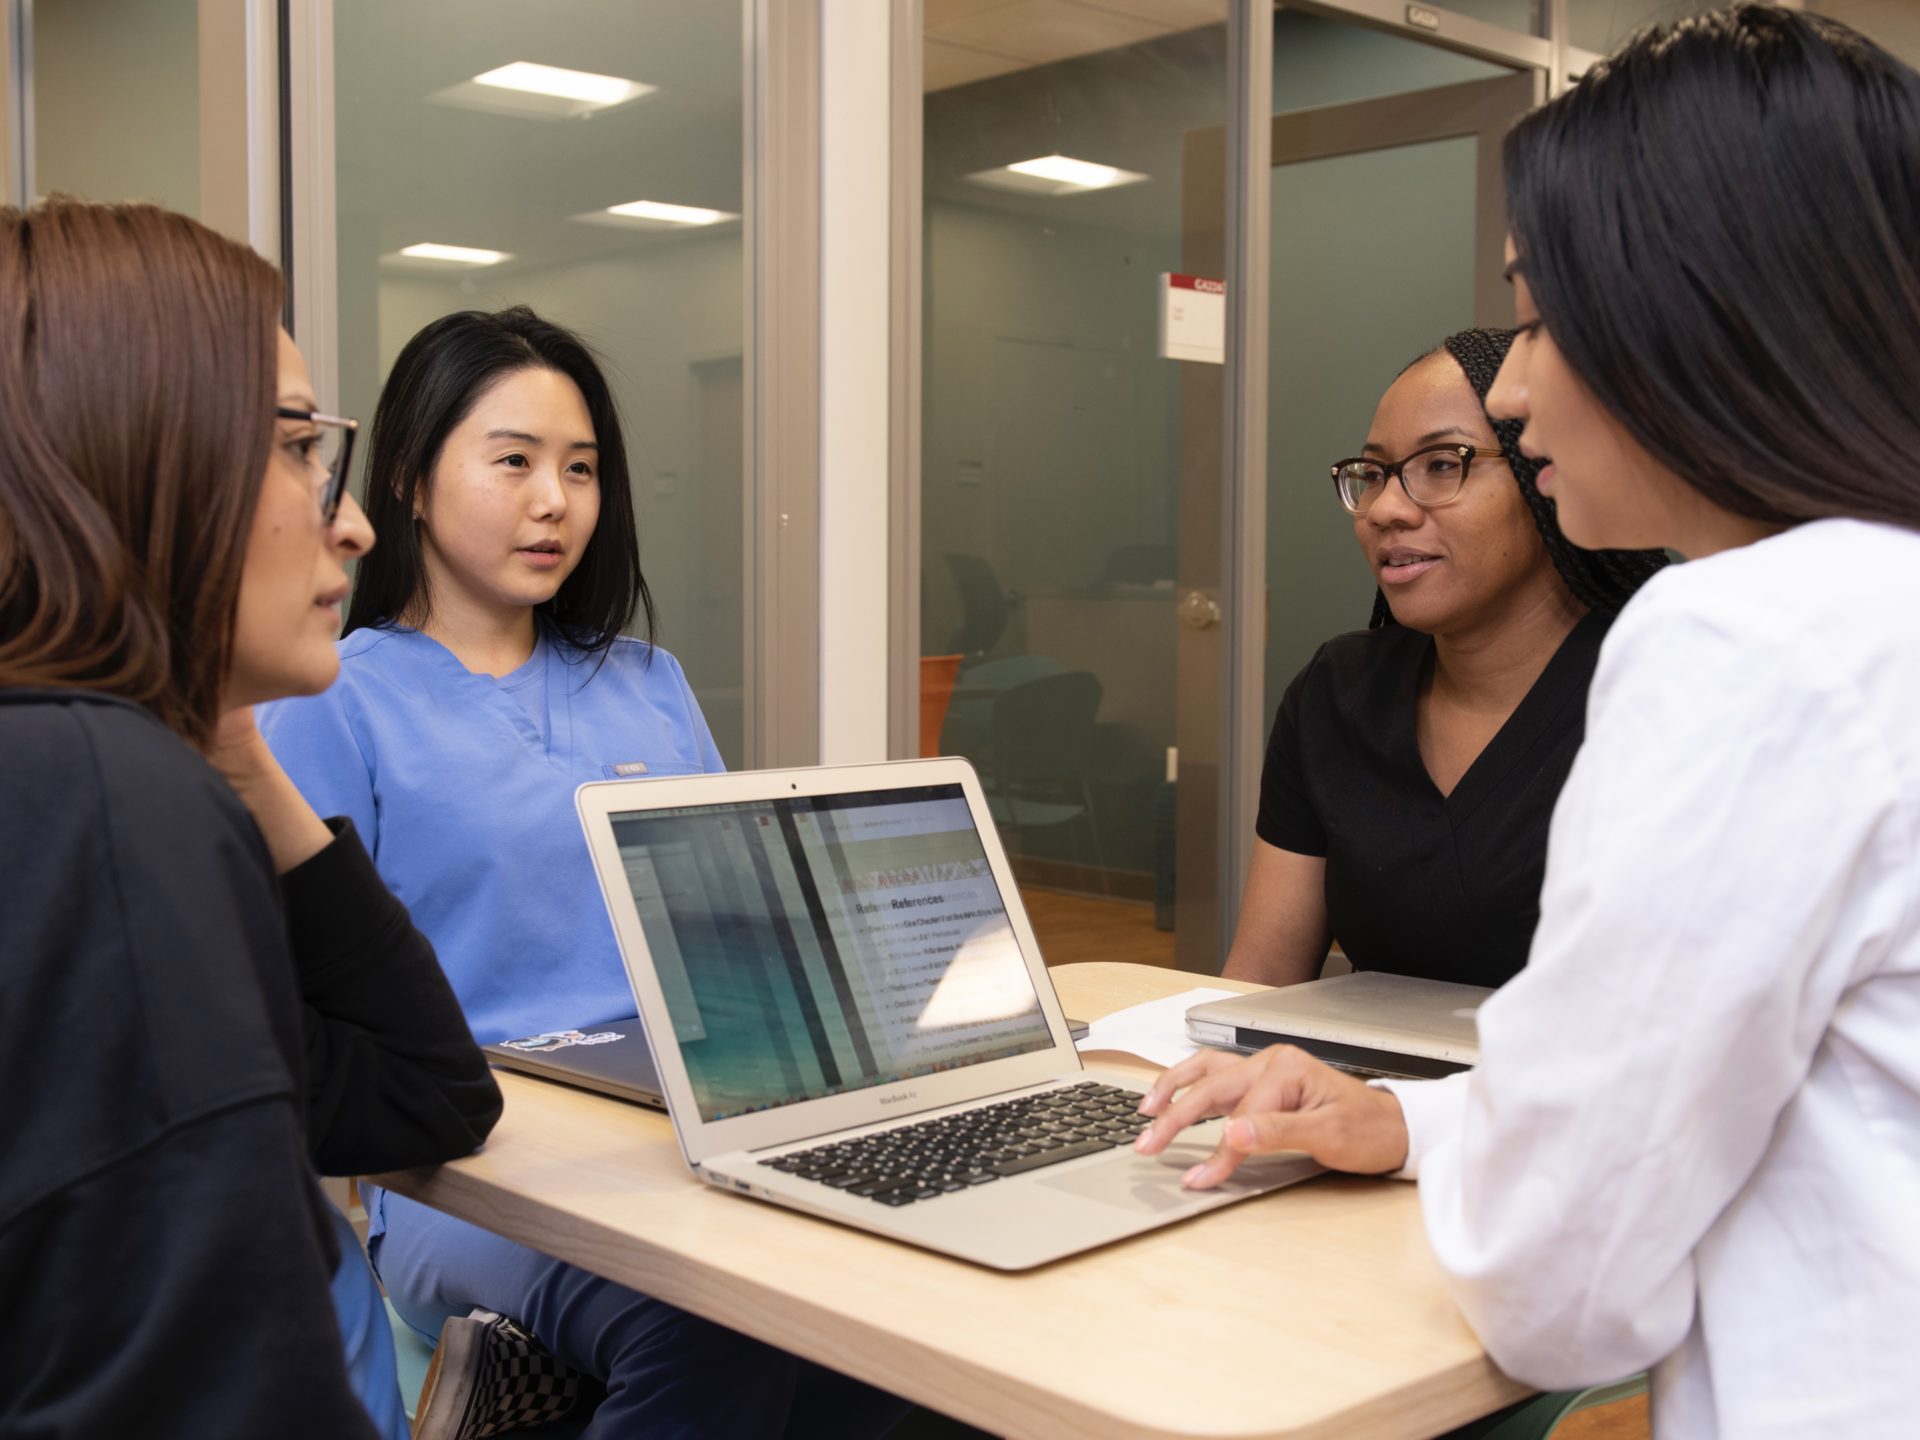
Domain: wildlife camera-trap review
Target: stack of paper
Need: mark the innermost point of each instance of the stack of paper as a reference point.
(1155, 1031)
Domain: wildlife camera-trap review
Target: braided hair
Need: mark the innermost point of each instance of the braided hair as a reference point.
(1602, 580)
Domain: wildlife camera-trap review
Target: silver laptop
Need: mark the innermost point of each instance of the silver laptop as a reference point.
(1368, 1023)
(611, 1059)
(851, 1018)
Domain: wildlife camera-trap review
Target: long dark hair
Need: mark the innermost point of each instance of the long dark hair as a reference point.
(435, 383)
(1720, 227)
(1601, 580)
(138, 367)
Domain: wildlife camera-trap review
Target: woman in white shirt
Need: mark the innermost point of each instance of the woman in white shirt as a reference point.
(1693, 1140)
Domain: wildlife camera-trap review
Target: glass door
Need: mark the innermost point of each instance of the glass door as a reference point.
(1055, 429)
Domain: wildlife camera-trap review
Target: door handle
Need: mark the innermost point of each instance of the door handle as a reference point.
(1199, 610)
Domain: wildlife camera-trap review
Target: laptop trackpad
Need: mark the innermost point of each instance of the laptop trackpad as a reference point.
(1138, 1182)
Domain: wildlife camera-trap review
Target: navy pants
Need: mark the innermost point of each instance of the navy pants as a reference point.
(667, 1373)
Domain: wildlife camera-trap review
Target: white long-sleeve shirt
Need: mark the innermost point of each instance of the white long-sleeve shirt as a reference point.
(1693, 1138)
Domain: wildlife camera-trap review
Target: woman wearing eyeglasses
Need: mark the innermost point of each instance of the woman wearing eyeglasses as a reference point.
(1692, 1141)
(210, 993)
(1413, 766)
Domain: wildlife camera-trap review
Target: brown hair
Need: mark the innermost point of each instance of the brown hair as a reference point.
(138, 371)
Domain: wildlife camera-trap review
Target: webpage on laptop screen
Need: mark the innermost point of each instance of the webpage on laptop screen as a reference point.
(815, 945)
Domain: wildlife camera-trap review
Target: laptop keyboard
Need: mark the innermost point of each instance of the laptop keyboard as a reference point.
(955, 1152)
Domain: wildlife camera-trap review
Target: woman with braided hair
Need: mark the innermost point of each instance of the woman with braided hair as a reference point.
(1414, 765)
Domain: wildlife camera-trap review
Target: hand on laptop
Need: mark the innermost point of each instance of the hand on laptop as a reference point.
(1279, 1099)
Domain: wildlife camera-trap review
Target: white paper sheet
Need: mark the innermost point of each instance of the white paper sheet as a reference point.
(1155, 1031)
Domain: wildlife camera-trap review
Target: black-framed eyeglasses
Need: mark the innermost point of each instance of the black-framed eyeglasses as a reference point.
(1430, 477)
(331, 455)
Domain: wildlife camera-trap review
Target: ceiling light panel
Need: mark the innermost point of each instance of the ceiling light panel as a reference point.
(656, 215)
(542, 92)
(670, 214)
(598, 91)
(1056, 175)
(429, 253)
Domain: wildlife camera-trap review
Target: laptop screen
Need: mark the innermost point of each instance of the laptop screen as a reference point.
(820, 944)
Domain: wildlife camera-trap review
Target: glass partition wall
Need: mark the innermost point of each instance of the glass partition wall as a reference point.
(1058, 179)
(584, 160)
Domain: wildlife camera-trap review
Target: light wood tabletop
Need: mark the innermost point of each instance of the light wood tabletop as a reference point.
(1314, 1311)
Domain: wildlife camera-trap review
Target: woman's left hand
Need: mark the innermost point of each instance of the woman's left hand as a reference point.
(1279, 1099)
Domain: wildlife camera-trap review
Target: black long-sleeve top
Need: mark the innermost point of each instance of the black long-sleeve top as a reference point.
(171, 1073)
(394, 1078)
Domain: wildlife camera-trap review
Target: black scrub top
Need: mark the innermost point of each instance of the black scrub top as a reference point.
(1419, 883)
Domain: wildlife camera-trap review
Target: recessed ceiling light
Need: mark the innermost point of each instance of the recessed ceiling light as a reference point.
(598, 91)
(670, 214)
(655, 215)
(542, 92)
(1056, 175)
(452, 254)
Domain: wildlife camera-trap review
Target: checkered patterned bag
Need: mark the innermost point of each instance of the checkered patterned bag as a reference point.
(489, 1376)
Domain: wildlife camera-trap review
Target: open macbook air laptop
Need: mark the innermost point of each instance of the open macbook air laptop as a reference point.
(851, 1018)
(1368, 1022)
(612, 1059)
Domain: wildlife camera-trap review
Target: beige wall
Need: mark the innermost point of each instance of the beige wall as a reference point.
(116, 97)
(1894, 23)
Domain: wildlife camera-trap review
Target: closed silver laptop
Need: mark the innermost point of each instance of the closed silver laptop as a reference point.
(1369, 1023)
(850, 1016)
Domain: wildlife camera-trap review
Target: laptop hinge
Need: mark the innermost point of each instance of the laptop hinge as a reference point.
(912, 1115)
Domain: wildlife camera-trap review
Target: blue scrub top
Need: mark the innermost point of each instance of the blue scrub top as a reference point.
(462, 786)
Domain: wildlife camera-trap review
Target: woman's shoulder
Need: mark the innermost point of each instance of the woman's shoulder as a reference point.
(633, 661)
(1812, 618)
(141, 905)
(379, 647)
(77, 744)
(108, 804)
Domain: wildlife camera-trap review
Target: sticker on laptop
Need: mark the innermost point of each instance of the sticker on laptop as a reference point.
(560, 1040)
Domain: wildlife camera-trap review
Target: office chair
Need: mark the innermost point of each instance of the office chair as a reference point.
(968, 728)
(984, 607)
(1040, 756)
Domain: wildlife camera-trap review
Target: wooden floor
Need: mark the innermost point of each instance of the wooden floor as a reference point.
(1072, 928)
(1622, 1420)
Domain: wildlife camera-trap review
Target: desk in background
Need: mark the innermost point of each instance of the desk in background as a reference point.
(1125, 635)
(1316, 1311)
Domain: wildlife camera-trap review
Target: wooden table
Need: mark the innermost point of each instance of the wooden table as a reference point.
(1316, 1311)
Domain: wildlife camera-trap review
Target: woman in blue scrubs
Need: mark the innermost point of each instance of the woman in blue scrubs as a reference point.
(484, 675)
